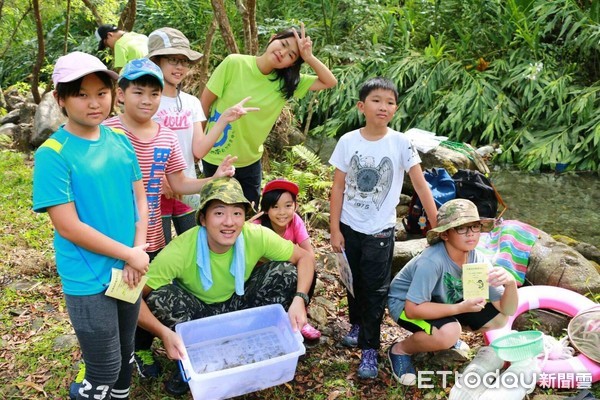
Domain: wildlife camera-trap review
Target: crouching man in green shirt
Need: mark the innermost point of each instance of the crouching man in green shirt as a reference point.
(212, 269)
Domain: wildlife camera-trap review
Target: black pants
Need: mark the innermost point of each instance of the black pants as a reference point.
(370, 259)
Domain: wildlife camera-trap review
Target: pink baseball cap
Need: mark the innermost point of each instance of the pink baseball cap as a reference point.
(282, 184)
(77, 64)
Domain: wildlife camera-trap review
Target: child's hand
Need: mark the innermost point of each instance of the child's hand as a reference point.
(304, 43)
(130, 276)
(337, 241)
(166, 189)
(499, 276)
(257, 216)
(226, 167)
(236, 112)
(473, 305)
(138, 258)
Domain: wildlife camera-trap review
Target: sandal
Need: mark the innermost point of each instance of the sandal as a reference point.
(309, 332)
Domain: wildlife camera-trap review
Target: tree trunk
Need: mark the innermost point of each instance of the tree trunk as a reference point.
(224, 25)
(251, 6)
(127, 18)
(210, 34)
(67, 23)
(247, 9)
(94, 11)
(40, 55)
(241, 6)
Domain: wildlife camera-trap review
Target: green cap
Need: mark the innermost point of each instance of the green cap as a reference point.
(226, 189)
(455, 213)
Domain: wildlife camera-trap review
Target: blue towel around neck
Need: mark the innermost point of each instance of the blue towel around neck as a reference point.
(238, 264)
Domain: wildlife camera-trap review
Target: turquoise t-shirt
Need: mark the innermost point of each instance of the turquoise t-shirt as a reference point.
(236, 78)
(177, 262)
(98, 176)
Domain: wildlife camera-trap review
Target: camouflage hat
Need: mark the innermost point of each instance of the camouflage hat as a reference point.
(226, 189)
(455, 213)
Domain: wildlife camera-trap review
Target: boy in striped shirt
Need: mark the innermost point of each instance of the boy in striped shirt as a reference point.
(159, 155)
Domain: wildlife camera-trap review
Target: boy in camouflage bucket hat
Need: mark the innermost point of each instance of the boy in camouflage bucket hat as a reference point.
(426, 296)
(229, 191)
(455, 213)
(203, 271)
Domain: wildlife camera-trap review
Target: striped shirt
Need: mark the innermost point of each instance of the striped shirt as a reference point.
(157, 157)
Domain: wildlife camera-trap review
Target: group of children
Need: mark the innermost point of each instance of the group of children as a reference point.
(111, 186)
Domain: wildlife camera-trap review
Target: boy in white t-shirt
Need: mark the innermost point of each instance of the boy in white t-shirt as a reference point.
(369, 170)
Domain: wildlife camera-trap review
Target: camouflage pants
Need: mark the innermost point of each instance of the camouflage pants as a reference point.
(270, 283)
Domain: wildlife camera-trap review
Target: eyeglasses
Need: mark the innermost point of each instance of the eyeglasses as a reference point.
(177, 61)
(462, 230)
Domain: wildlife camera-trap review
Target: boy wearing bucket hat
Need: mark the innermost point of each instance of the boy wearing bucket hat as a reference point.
(426, 296)
(212, 269)
(126, 46)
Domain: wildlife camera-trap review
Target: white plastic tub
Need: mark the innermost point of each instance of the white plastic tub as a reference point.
(239, 352)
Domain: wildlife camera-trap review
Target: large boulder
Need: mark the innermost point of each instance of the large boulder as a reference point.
(10, 118)
(48, 118)
(557, 264)
(405, 251)
(587, 250)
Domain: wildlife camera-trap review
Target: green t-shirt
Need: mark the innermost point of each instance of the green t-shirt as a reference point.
(177, 262)
(236, 78)
(129, 47)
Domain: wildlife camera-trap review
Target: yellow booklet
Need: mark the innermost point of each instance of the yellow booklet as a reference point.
(475, 280)
(120, 290)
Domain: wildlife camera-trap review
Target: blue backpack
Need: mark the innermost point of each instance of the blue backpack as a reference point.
(442, 188)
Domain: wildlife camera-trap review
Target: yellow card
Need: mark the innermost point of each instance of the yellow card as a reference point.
(475, 280)
(120, 290)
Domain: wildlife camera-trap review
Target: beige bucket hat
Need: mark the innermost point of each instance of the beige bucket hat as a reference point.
(455, 213)
(170, 41)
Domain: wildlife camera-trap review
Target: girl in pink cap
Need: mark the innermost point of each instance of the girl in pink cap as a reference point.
(87, 178)
(278, 210)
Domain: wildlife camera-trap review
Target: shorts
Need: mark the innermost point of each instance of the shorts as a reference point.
(173, 207)
(474, 320)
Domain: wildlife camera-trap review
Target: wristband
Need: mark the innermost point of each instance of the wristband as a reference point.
(303, 296)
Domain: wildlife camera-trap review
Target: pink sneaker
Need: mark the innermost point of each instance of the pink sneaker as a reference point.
(309, 332)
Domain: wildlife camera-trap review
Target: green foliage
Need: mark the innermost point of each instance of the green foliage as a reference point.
(523, 73)
(23, 88)
(16, 207)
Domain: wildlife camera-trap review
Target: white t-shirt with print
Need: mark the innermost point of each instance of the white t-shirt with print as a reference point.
(181, 121)
(374, 176)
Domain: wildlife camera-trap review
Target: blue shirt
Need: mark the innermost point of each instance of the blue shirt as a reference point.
(97, 176)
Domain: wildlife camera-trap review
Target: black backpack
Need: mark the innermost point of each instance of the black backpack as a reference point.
(475, 186)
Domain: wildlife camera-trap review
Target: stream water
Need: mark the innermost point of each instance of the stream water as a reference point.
(565, 204)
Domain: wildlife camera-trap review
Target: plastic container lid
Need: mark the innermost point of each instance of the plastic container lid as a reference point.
(519, 346)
